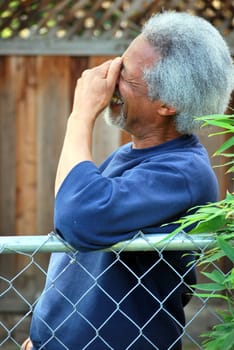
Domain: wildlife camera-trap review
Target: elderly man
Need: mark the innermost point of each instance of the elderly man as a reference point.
(179, 67)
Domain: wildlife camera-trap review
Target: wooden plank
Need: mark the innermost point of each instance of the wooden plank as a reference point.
(25, 177)
(13, 306)
(212, 144)
(7, 147)
(79, 47)
(77, 66)
(26, 86)
(125, 137)
(53, 108)
(7, 158)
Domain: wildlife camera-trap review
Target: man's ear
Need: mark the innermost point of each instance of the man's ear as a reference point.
(165, 110)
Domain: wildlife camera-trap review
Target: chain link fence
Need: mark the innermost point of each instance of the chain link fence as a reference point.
(23, 269)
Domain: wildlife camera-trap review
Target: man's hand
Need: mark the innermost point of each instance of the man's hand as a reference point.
(95, 88)
(27, 345)
(93, 93)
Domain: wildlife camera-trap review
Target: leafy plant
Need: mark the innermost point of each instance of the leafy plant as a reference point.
(217, 219)
(225, 122)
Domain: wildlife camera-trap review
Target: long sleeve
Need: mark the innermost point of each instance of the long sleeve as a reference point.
(93, 211)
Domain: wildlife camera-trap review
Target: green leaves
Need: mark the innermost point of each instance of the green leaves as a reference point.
(221, 336)
(227, 248)
(221, 281)
(227, 144)
(218, 220)
(216, 276)
(212, 287)
(211, 223)
(225, 122)
(214, 217)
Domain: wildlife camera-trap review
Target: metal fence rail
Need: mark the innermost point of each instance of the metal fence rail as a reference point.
(52, 243)
(21, 286)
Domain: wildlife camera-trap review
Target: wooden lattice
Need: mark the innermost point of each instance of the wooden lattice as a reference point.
(68, 19)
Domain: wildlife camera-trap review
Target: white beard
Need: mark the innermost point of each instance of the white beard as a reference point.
(113, 119)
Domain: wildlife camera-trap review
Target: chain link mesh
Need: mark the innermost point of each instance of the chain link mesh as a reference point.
(22, 283)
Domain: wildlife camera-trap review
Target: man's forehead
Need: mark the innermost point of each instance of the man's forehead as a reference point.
(139, 54)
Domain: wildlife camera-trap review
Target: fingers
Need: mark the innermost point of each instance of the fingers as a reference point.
(27, 345)
(113, 72)
(107, 70)
(95, 87)
(102, 69)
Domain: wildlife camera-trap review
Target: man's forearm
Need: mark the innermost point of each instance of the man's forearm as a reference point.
(93, 92)
(77, 147)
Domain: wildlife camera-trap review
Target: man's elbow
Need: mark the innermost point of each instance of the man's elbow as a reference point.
(87, 235)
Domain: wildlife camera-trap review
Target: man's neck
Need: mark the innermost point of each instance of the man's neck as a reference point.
(154, 139)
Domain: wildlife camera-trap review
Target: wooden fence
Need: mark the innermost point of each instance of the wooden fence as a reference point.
(36, 94)
(35, 100)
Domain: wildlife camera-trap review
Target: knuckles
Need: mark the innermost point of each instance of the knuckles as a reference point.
(85, 72)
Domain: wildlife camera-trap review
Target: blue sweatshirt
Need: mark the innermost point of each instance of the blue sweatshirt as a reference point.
(99, 300)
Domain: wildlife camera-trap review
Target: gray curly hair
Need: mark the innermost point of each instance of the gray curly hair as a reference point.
(195, 71)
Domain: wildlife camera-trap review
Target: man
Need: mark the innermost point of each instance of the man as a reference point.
(178, 68)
